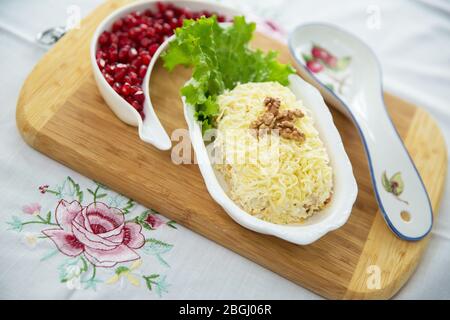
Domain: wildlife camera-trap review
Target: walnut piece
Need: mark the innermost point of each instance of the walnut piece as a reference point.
(283, 121)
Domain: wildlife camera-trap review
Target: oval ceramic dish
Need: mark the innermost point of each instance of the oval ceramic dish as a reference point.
(345, 188)
(150, 130)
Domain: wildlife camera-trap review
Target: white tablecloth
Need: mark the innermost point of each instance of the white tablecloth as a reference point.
(411, 38)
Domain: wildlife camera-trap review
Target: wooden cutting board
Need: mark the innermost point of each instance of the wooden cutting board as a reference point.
(61, 113)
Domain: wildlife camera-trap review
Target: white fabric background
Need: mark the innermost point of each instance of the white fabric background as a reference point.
(413, 47)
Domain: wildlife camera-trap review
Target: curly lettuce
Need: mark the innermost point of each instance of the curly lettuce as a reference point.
(221, 59)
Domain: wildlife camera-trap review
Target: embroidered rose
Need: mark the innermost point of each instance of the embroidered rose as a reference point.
(97, 231)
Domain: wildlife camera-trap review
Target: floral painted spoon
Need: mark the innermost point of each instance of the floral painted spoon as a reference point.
(348, 75)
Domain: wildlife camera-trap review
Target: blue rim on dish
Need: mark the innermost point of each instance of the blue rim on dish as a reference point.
(366, 150)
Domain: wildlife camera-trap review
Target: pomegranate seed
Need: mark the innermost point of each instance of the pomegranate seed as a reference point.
(169, 14)
(137, 105)
(160, 6)
(101, 63)
(117, 25)
(136, 63)
(146, 59)
(132, 53)
(142, 71)
(152, 49)
(126, 89)
(123, 53)
(109, 78)
(139, 96)
(145, 42)
(134, 79)
(104, 38)
(142, 114)
(117, 86)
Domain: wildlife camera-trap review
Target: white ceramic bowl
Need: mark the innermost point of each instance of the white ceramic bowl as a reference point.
(150, 130)
(345, 188)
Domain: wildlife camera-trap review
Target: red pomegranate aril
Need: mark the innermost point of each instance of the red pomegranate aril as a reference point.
(109, 78)
(126, 89)
(112, 55)
(104, 38)
(114, 38)
(146, 58)
(152, 49)
(117, 86)
(134, 79)
(169, 14)
(136, 63)
(132, 53)
(101, 63)
(161, 6)
(167, 29)
(142, 114)
(138, 106)
(139, 96)
(117, 26)
(145, 42)
(123, 53)
(143, 71)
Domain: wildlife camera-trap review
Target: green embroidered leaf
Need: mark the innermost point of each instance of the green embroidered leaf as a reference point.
(171, 224)
(128, 206)
(156, 247)
(144, 215)
(386, 183)
(49, 217)
(121, 269)
(101, 185)
(149, 280)
(77, 189)
(146, 225)
(99, 196)
(397, 184)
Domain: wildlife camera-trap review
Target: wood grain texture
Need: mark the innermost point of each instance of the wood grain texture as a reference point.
(61, 113)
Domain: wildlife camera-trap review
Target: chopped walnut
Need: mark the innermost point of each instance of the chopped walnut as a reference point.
(283, 121)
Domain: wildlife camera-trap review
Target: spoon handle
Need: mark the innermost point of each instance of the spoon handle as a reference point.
(398, 187)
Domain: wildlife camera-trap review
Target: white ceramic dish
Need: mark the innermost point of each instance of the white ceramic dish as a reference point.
(150, 130)
(345, 188)
(407, 210)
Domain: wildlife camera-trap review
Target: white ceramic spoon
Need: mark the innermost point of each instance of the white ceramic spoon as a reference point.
(352, 83)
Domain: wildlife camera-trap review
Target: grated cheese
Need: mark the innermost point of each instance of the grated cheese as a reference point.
(275, 179)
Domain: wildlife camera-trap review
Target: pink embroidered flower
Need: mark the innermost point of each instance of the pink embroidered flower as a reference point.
(97, 231)
(153, 221)
(33, 209)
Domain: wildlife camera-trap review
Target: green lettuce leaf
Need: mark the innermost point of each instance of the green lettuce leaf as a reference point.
(221, 59)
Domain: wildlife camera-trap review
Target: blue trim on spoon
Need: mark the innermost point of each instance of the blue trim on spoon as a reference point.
(303, 67)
